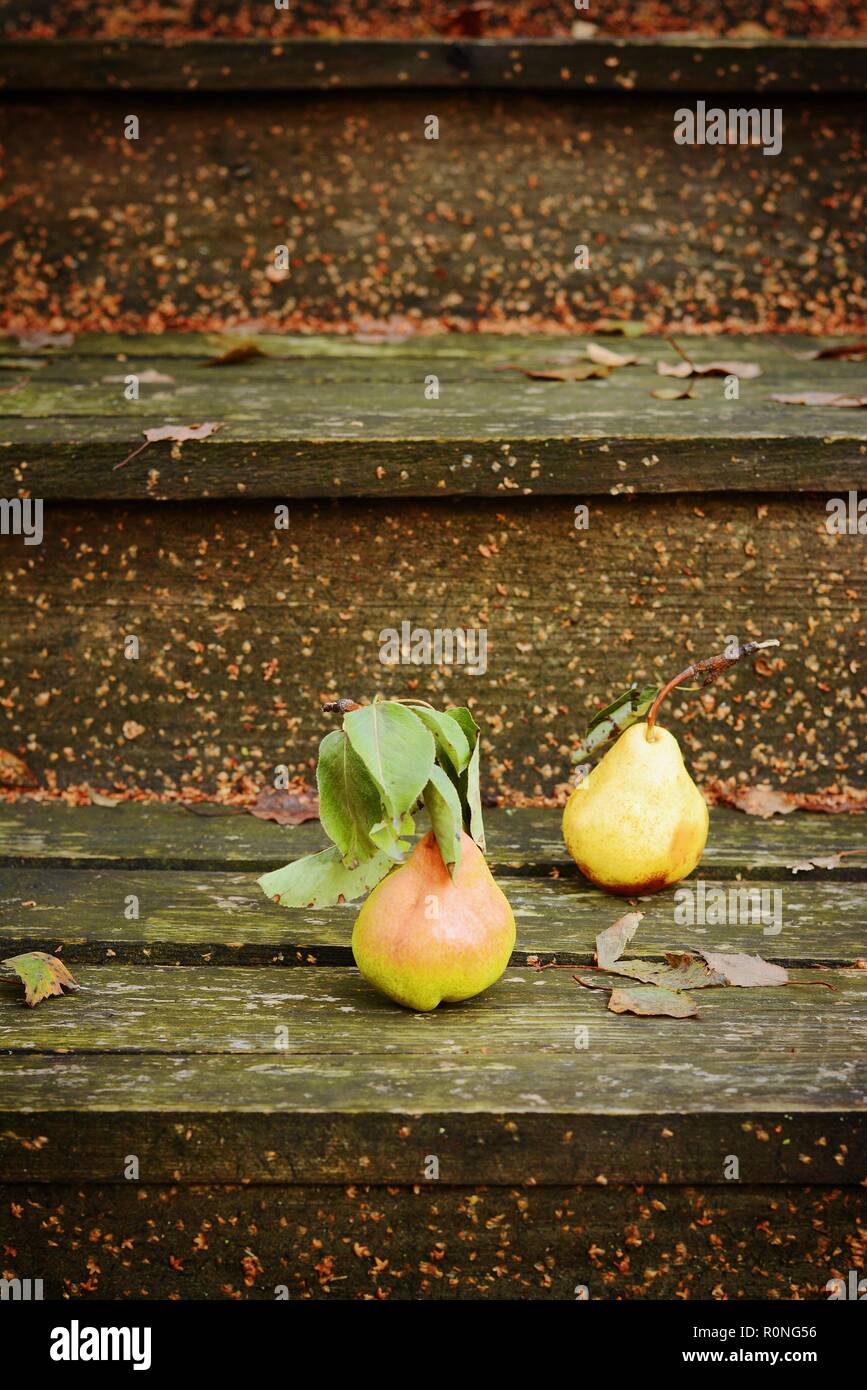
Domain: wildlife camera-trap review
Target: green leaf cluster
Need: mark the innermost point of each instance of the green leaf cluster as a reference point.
(390, 759)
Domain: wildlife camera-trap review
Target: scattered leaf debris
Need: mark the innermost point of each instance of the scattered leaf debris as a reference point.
(14, 772)
(837, 400)
(245, 351)
(825, 861)
(286, 807)
(612, 942)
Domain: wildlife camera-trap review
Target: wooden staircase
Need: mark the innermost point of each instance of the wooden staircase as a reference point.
(386, 398)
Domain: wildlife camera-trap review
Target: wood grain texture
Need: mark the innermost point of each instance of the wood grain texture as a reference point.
(432, 1242)
(190, 1073)
(521, 842)
(202, 19)
(328, 417)
(222, 918)
(244, 630)
(669, 64)
(477, 229)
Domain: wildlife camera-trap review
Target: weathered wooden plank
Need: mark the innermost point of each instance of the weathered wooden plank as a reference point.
(477, 229)
(136, 1240)
(243, 629)
(195, 1078)
(332, 1011)
(525, 842)
(327, 421)
(222, 919)
(662, 64)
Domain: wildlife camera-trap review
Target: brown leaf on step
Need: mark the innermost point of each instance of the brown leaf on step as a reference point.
(574, 371)
(245, 351)
(468, 22)
(179, 434)
(826, 861)
(149, 377)
(97, 799)
(673, 393)
(744, 371)
(649, 1001)
(764, 801)
(837, 400)
(624, 328)
(41, 974)
(14, 772)
(747, 971)
(289, 807)
(846, 352)
(612, 942)
(681, 971)
(583, 29)
(748, 29)
(33, 342)
(606, 358)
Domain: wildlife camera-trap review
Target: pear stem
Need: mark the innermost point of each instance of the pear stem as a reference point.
(708, 670)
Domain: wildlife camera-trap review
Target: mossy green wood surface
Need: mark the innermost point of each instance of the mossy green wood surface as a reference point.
(337, 418)
(243, 629)
(219, 918)
(335, 1073)
(434, 1241)
(523, 842)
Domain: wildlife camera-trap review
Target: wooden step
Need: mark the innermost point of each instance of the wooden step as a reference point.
(669, 64)
(330, 417)
(306, 1088)
(543, 147)
(529, 843)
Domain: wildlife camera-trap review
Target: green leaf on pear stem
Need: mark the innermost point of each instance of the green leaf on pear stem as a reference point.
(387, 837)
(451, 741)
(468, 782)
(443, 805)
(321, 880)
(349, 799)
(606, 726)
(397, 750)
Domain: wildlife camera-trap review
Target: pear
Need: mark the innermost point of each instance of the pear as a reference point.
(638, 822)
(423, 937)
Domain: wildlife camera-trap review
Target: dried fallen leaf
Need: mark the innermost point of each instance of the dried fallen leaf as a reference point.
(286, 807)
(131, 729)
(97, 799)
(737, 968)
(745, 371)
(606, 358)
(624, 328)
(838, 400)
(42, 975)
(179, 434)
(681, 971)
(612, 942)
(583, 29)
(826, 861)
(649, 1001)
(32, 342)
(764, 801)
(845, 352)
(245, 351)
(573, 371)
(14, 772)
(673, 393)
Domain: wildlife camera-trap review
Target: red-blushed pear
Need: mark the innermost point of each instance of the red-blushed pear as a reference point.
(425, 938)
(637, 822)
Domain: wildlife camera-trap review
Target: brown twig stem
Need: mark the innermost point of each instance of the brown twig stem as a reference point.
(707, 670)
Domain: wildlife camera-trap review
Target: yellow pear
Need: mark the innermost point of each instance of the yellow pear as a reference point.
(637, 822)
(423, 937)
